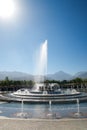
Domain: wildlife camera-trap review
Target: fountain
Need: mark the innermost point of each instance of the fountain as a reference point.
(78, 114)
(44, 93)
(41, 69)
(78, 111)
(22, 114)
(22, 107)
(50, 105)
(51, 114)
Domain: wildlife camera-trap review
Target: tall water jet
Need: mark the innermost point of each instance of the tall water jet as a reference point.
(41, 68)
(42, 62)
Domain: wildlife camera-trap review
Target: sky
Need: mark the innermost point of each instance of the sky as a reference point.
(63, 23)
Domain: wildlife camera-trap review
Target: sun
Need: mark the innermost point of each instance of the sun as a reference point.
(7, 8)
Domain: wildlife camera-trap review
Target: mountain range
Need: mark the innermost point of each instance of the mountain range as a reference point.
(60, 75)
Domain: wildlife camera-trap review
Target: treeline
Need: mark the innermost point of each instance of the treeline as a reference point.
(13, 85)
(76, 81)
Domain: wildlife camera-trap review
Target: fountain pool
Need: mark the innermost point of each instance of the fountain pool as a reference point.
(43, 111)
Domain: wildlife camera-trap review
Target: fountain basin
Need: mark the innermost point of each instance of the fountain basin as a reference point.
(36, 97)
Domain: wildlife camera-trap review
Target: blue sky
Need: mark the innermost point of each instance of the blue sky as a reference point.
(62, 22)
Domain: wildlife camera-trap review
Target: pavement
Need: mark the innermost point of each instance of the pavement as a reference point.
(42, 124)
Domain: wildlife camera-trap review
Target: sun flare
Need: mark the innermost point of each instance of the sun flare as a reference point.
(7, 8)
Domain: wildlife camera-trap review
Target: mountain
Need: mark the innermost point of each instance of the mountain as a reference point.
(24, 76)
(15, 75)
(82, 74)
(59, 76)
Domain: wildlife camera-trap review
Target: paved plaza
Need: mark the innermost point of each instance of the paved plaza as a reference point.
(37, 124)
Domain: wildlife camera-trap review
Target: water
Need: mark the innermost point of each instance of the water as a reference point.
(78, 107)
(43, 110)
(22, 106)
(50, 103)
(41, 65)
(78, 113)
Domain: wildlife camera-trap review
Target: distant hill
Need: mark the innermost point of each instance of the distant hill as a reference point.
(60, 75)
(82, 74)
(15, 75)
